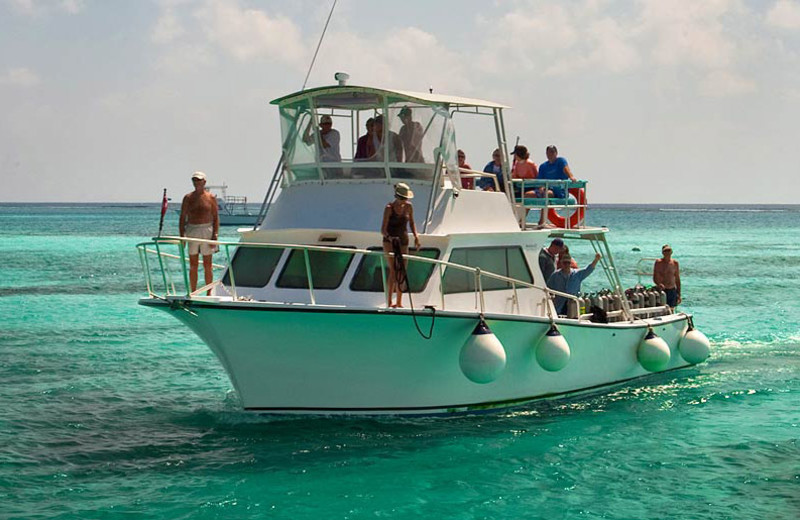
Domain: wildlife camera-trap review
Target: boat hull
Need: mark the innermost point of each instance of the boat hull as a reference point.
(303, 359)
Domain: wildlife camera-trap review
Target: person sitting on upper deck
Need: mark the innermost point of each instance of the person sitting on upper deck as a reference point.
(380, 138)
(556, 168)
(495, 166)
(568, 280)
(467, 183)
(411, 134)
(365, 146)
(328, 139)
(523, 167)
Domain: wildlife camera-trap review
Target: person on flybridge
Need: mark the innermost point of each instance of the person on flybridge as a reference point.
(328, 139)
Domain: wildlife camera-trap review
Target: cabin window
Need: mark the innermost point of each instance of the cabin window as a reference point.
(505, 261)
(368, 274)
(406, 141)
(253, 266)
(327, 269)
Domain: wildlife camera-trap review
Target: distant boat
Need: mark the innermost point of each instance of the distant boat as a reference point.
(233, 209)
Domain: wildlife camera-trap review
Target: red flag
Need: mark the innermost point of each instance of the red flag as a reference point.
(164, 204)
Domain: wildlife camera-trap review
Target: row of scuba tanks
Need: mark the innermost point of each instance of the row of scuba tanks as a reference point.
(639, 297)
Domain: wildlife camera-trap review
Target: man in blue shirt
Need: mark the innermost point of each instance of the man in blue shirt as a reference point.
(495, 167)
(568, 280)
(556, 168)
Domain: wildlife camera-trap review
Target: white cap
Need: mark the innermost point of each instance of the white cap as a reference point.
(199, 175)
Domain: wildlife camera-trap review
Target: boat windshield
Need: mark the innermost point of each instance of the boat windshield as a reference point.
(362, 135)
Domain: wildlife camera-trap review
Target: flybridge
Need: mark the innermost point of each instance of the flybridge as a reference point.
(363, 135)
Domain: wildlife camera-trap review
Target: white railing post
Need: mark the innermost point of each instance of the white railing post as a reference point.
(479, 286)
(308, 275)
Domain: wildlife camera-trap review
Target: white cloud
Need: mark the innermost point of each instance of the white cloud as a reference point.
(23, 6)
(168, 28)
(690, 32)
(785, 14)
(250, 34)
(723, 83)
(184, 57)
(405, 58)
(36, 7)
(20, 77)
(72, 6)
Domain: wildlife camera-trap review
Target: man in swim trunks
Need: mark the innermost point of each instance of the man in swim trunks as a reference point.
(199, 219)
(667, 276)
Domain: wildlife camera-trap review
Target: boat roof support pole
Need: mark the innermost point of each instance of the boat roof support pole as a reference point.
(317, 139)
(437, 173)
(500, 129)
(607, 261)
(308, 274)
(277, 175)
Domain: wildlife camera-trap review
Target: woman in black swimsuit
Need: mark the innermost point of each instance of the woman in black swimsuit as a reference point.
(397, 217)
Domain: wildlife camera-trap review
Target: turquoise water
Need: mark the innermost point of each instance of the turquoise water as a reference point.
(112, 410)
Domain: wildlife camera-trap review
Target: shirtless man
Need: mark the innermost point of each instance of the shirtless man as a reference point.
(199, 219)
(667, 276)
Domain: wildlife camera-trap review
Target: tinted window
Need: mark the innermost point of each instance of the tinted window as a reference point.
(368, 274)
(505, 261)
(327, 269)
(253, 266)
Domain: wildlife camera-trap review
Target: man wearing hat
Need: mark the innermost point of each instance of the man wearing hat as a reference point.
(411, 136)
(667, 276)
(199, 219)
(547, 257)
(385, 142)
(328, 139)
(568, 280)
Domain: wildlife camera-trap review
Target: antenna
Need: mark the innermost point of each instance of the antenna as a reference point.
(321, 36)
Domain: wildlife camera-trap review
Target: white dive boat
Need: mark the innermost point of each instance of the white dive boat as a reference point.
(298, 314)
(233, 210)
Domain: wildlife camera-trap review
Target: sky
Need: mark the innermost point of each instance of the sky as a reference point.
(652, 101)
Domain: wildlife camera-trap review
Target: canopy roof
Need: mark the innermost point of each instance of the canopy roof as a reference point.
(355, 97)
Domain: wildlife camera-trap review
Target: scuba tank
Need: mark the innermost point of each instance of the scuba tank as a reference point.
(572, 309)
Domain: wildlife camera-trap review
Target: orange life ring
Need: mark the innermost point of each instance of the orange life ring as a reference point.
(576, 217)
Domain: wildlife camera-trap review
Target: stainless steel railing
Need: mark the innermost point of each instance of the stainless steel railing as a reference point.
(165, 270)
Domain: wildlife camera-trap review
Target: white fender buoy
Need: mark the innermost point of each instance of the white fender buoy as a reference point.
(482, 356)
(653, 352)
(694, 346)
(552, 351)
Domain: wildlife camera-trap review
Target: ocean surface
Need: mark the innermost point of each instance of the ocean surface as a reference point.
(112, 410)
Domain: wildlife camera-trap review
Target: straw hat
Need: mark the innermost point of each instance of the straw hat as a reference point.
(402, 190)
